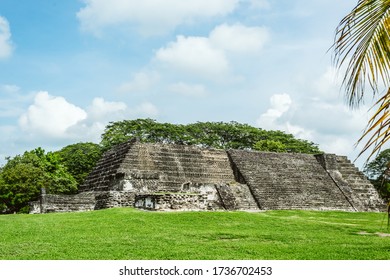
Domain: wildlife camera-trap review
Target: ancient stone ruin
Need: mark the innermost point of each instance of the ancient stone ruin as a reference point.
(180, 177)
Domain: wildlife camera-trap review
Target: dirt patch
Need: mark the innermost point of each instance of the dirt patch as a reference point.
(380, 234)
(364, 233)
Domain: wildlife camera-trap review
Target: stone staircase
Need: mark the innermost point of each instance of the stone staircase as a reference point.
(237, 197)
(288, 181)
(174, 167)
(364, 196)
(352, 182)
(107, 169)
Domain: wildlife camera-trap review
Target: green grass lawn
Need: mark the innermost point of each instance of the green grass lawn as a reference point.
(126, 233)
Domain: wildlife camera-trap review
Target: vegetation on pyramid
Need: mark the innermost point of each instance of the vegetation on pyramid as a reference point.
(219, 135)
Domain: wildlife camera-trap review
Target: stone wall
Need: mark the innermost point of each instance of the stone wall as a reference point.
(63, 203)
(113, 199)
(172, 202)
(85, 201)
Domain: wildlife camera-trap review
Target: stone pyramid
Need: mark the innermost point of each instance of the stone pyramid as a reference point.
(180, 177)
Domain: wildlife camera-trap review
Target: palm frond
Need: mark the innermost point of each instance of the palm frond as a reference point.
(362, 38)
(362, 43)
(378, 128)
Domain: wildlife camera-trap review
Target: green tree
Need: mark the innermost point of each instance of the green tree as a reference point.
(270, 146)
(220, 135)
(146, 130)
(23, 176)
(20, 184)
(362, 43)
(79, 159)
(378, 172)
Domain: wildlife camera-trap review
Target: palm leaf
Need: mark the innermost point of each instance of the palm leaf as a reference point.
(378, 126)
(362, 43)
(362, 37)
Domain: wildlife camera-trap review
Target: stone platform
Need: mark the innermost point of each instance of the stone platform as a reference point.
(179, 177)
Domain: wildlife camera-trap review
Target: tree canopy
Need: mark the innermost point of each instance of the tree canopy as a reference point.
(220, 135)
(79, 159)
(23, 176)
(378, 171)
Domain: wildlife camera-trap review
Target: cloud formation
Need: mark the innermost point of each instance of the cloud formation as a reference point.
(193, 90)
(332, 124)
(9, 89)
(50, 116)
(259, 4)
(149, 16)
(53, 117)
(280, 104)
(5, 39)
(208, 57)
(142, 81)
(194, 55)
(239, 38)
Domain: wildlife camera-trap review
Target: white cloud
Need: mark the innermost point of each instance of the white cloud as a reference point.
(331, 118)
(50, 116)
(142, 81)
(101, 110)
(280, 117)
(150, 16)
(208, 57)
(12, 101)
(5, 39)
(239, 38)
(10, 89)
(280, 104)
(194, 90)
(333, 126)
(259, 4)
(99, 113)
(146, 109)
(328, 84)
(195, 55)
(340, 146)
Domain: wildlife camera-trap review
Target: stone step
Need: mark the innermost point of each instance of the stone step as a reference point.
(187, 173)
(169, 167)
(162, 162)
(362, 193)
(288, 181)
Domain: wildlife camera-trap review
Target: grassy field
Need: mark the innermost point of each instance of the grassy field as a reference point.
(131, 234)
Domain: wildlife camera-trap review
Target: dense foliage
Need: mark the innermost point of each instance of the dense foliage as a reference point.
(23, 176)
(79, 159)
(220, 135)
(378, 171)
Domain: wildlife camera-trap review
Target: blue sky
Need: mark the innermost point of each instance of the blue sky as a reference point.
(67, 68)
